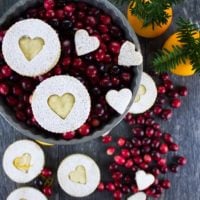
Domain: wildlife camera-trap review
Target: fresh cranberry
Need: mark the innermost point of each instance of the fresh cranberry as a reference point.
(165, 76)
(105, 19)
(101, 186)
(4, 89)
(69, 8)
(168, 138)
(174, 168)
(163, 148)
(173, 94)
(46, 172)
(138, 132)
(107, 139)
(157, 134)
(17, 90)
(50, 14)
(138, 160)
(173, 147)
(110, 187)
(168, 85)
(60, 14)
(91, 21)
(183, 91)
(176, 103)
(119, 160)
(115, 47)
(84, 130)
(99, 55)
(117, 195)
(129, 163)
(147, 158)
(149, 132)
(157, 109)
(110, 151)
(117, 175)
(27, 84)
(166, 114)
(161, 161)
(49, 4)
(115, 32)
(113, 167)
(103, 28)
(6, 71)
(161, 89)
(164, 169)
(181, 160)
(91, 71)
(47, 191)
(125, 153)
(166, 184)
(69, 135)
(155, 171)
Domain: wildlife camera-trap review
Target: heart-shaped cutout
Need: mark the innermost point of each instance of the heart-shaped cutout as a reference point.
(119, 100)
(144, 180)
(141, 91)
(78, 175)
(61, 105)
(84, 43)
(138, 196)
(128, 56)
(31, 47)
(23, 163)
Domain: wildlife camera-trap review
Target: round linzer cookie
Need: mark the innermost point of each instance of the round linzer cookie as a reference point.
(146, 95)
(61, 104)
(26, 193)
(23, 161)
(31, 47)
(78, 175)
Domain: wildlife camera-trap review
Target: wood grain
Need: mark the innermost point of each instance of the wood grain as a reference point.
(184, 126)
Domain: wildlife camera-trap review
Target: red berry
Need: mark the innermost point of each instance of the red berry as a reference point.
(176, 103)
(46, 172)
(105, 19)
(121, 142)
(115, 47)
(69, 135)
(161, 89)
(110, 187)
(101, 186)
(110, 151)
(4, 89)
(125, 153)
(181, 160)
(173, 147)
(129, 163)
(162, 161)
(166, 114)
(107, 139)
(183, 91)
(119, 160)
(147, 158)
(47, 191)
(117, 195)
(6, 71)
(166, 184)
(84, 130)
(163, 148)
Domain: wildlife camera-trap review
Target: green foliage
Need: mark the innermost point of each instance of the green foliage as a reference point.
(151, 12)
(165, 60)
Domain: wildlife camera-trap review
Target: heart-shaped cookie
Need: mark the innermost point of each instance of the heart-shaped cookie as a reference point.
(119, 100)
(31, 47)
(78, 175)
(23, 163)
(61, 105)
(84, 43)
(128, 56)
(144, 180)
(138, 196)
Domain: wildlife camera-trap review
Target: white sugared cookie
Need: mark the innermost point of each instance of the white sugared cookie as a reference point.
(61, 104)
(26, 193)
(31, 47)
(146, 95)
(78, 175)
(128, 55)
(23, 161)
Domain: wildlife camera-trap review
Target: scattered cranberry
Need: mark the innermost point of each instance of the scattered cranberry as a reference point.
(163, 148)
(121, 142)
(176, 103)
(110, 151)
(173, 147)
(46, 172)
(183, 91)
(6, 71)
(181, 160)
(166, 184)
(107, 139)
(161, 90)
(166, 114)
(47, 191)
(4, 89)
(101, 186)
(119, 160)
(69, 135)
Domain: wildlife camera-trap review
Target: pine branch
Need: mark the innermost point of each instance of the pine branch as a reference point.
(189, 37)
(166, 60)
(151, 12)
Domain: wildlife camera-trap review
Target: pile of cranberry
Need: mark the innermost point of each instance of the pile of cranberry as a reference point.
(147, 147)
(98, 71)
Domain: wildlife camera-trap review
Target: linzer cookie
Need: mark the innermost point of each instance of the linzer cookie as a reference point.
(31, 47)
(78, 175)
(23, 161)
(61, 104)
(26, 193)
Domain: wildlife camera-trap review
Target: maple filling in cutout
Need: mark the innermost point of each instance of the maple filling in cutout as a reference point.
(61, 105)
(31, 47)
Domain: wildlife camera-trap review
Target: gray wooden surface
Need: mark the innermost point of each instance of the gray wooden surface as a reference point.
(184, 126)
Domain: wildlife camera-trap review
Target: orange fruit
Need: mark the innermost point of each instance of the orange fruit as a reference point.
(148, 31)
(183, 69)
